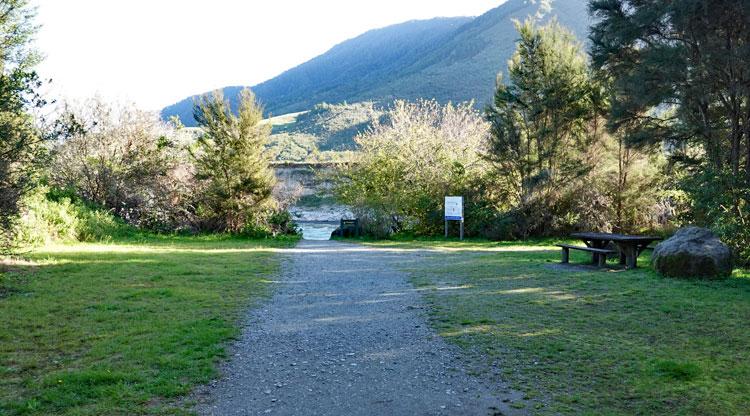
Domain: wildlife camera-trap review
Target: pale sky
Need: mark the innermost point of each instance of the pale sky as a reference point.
(156, 52)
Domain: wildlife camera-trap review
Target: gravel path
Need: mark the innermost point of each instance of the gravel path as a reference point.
(346, 334)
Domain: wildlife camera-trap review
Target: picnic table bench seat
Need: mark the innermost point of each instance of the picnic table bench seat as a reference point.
(599, 254)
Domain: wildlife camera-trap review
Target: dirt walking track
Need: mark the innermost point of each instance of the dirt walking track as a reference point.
(345, 333)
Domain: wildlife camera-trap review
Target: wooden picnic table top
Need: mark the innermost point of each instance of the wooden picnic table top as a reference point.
(615, 237)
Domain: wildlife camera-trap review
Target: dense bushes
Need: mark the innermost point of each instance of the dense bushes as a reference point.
(724, 207)
(127, 161)
(679, 79)
(541, 164)
(126, 169)
(409, 162)
(21, 149)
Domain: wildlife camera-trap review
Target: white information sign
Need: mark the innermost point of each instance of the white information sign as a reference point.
(454, 208)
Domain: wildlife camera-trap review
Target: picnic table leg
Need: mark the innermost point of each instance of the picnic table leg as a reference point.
(602, 260)
(632, 261)
(565, 255)
(593, 245)
(631, 255)
(595, 258)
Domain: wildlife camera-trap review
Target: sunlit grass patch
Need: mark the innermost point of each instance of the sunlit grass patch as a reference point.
(584, 341)
(124, 328)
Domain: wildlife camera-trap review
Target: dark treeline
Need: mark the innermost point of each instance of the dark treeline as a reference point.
(680, 74)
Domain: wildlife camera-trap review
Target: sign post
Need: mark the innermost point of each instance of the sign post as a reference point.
(454, 211)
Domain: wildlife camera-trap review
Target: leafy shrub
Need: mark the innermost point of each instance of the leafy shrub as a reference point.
(127, 161)
(374, 222)
(45, 221)
(282, 223)
(50, 216)
(100, 225)
(408, 163)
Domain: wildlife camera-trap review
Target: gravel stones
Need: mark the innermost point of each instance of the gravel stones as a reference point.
(346, 334)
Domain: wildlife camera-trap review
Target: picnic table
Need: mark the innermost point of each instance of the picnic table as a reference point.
(629, 246)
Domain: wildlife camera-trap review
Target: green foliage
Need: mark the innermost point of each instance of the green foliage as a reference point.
(46, 221)
(51, 216)
(156, 177)
(724, 206)
(680, 72)
(231, 167)
(406, 165)
(543, 125)
(638, 191)
(548, 166)
(127, 161)
(20, 140)
(100, 225)
(281, 222)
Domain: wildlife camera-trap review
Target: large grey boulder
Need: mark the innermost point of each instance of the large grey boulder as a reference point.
(693, 252)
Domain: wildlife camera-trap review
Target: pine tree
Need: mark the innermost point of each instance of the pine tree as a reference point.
(540, 118)
(231, 163)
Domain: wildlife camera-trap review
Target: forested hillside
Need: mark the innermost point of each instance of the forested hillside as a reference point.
(449, 59)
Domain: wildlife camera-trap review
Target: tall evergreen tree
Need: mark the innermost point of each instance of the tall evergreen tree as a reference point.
(20, 148)
(231, 162)
(540, 118)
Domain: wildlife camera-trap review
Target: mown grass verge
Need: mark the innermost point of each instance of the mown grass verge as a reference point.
(123, 328)
(585, 341)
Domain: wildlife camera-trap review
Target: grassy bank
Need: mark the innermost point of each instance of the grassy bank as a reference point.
(582, 341)
(123, 328)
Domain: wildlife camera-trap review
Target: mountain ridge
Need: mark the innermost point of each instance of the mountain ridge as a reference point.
(448, 59)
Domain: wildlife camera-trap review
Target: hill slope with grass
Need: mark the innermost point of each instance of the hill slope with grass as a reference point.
(325, 133)
(449, 59)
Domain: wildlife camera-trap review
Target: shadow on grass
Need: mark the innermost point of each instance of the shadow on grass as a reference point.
(595, 341)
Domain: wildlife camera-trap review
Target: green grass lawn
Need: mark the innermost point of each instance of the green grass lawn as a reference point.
(580, 341)
(125, 328)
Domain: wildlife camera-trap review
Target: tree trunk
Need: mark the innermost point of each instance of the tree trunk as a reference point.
(734, 155)
(618, 213)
